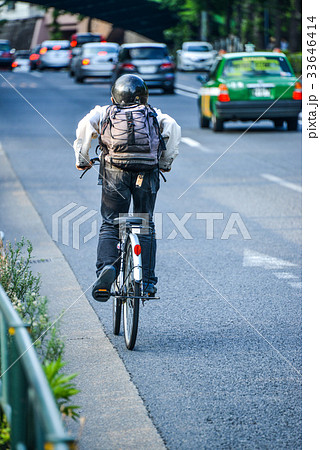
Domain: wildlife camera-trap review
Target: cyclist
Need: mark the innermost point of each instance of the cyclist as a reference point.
(119, 185)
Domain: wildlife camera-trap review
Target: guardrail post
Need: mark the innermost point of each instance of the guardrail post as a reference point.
(18, 395)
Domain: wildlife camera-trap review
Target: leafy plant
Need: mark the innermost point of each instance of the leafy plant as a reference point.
(62, 387)
(4, 433)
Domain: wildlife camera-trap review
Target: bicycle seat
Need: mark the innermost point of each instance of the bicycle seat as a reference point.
(129, 220)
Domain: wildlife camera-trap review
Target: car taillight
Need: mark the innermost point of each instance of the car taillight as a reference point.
(127, 66)
(73, 43)
(6, 54)
(34, 57)
(85, 61)
(43, 50)
(102, 39)
(166, 66)
(224, 94)
(14, 64)
(297, 93)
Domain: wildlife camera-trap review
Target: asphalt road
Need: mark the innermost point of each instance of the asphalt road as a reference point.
(218, 358)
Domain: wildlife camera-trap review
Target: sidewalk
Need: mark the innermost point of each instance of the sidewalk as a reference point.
(115, 416)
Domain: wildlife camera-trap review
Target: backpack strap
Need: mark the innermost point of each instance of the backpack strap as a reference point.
(162, 145)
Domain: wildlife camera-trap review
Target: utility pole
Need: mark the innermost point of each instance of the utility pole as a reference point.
(204, 26)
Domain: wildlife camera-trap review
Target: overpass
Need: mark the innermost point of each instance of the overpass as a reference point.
(145, 17)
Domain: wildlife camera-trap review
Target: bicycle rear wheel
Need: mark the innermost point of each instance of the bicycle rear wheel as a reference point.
(131, 305)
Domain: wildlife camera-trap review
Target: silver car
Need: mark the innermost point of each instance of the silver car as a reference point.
(195, 55)
(54, 54)
(95, 60)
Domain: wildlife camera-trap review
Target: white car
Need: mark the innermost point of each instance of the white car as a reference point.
(54, 54)
(195, 55)
(21, 60)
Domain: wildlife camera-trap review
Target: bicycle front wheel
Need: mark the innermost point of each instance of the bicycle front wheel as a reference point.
(131, 305)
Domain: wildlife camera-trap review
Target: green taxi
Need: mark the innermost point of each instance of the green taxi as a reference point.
(250, 86)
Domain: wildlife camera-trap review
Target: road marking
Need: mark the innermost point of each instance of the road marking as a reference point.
(281, 182)
(254, 259)
(186, 94)
(284, 275)
(36, 74)
(184, 87)
(195, 144)
(296, 284)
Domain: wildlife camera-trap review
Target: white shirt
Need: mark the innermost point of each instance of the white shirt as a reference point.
(89, 128)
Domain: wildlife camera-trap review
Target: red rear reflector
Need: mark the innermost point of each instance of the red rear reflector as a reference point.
(56, 47)
(73, 43)
(102, 53)
(224, 94)
(85, 62)
(43, 50)
(137, 249)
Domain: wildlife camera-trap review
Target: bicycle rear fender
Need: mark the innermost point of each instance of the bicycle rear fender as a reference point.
(137, 260)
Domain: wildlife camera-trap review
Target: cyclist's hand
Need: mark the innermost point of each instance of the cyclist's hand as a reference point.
(84, 167)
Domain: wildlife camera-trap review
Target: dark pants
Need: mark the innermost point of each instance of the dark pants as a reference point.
(117, 188)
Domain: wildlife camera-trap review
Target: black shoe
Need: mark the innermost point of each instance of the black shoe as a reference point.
(149, 289)
(101, 288)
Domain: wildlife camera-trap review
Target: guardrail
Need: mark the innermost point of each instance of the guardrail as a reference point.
(25, 395)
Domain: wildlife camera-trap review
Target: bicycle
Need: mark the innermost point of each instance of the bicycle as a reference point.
(127, 289)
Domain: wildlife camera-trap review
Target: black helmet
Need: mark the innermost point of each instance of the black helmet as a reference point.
(129, 89)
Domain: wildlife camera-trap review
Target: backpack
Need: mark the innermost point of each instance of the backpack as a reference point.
(130, 137)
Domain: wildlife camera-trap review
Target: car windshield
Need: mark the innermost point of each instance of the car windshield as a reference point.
(4, 47)
(22, 54)
(145, 53)
(85, 39)
(198, 48)
(103, 50)
(256, 66)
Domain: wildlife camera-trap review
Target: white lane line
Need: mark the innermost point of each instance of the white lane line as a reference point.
(36, 74)
(188, 88)
(186, 94)
(296, 284)
(281, 182)
(194, 144)
(254, 259)
(284, 275)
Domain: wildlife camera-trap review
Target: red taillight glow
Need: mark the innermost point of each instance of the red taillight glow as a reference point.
(14, 64)
(43, 50)
(6, 54)
(34, 57)
(85, 61)
(128, 66)
(56, 47)
(73, 43)
(297, 93)
(224, 94)
(167, 66)
(102, 53)
(137, 249)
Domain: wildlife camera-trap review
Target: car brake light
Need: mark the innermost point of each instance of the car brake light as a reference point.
(128, 66)
(56, 47)
(137, 249)
(14, 64)
(167, 66)
(85, 61)
(34, 57)
(6, 54)
(224, 94)
(73, 43)
(297, 93)
(43, 50)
